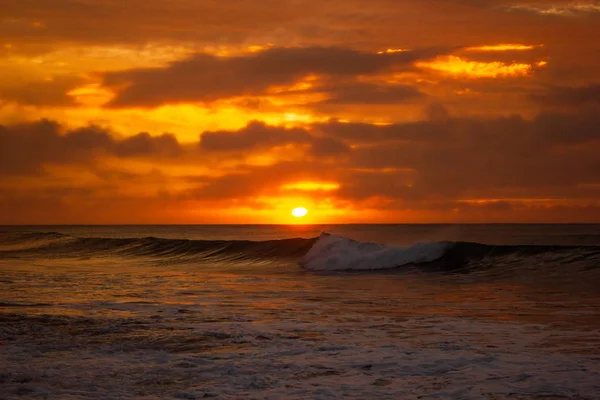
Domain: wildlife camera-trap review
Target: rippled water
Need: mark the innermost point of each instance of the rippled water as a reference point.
(105, 326)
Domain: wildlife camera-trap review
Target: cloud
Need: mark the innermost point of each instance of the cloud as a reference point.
(457, 66)
(569, 96)
(27, 148)
(370, 93)
(254, 136)
(226, 63)
(551, 156)
(206, 78)
(502, 47)
(557, 9)
(39, 24)
(449, 159)
(473, 164)
(257, 135)
(327, 147)
(52, 92)
(139, 21)
(142, 38)
(369, 134)
(255, 181)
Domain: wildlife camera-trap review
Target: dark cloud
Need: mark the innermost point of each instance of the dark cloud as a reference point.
(143, 144)
(139, 21)
(260, 180)
(436, 112)
(293, 22)
(570, 96)
(327, 147)
(445, 159)
(470, 150)
(206, 78)
(580, 128)
(258, 135)
(26, 148)
(255, 135)
(435, 164)
(152, 26)
(551, 155)
(41, 93)
(147, 20)
(364, 133)
(369, 93)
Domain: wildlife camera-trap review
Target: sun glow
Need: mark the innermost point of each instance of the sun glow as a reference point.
(299, 212)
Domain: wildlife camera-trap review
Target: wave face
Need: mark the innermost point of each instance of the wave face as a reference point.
(336, 253)
(53, 244)
(324, 253)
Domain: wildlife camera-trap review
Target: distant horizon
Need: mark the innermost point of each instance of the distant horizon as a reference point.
(316, 224)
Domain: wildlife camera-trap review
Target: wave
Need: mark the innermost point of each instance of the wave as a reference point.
(324, 253)
(53, 244)
(334, 253)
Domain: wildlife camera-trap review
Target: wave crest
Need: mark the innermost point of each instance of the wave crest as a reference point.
(336, 253)
(38, 244)
(324, 253)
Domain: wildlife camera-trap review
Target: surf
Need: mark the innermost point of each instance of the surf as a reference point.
(335, 253)
(325, 253)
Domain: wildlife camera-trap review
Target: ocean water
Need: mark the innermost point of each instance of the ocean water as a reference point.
(300, 312)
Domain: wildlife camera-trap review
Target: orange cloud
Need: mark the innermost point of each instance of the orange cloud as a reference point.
(559, 9)
(91, 95)
(205, 78)
(457, 66)
(412, 171)
(311, 186)
(387, 51)
(502, 47)
(202, 72)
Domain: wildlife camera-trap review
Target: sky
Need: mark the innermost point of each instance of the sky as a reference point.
(238, 111)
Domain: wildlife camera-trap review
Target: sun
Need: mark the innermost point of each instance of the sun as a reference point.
(299, 212)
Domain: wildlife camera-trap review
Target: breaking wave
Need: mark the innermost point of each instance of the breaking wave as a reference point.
(324, 253)
(332, 253)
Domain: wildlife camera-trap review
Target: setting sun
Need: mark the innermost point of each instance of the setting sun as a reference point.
(299, 212)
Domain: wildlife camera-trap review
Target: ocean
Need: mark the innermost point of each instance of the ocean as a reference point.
(499, 311)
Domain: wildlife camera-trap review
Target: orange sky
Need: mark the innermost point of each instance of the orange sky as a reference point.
(205, 111)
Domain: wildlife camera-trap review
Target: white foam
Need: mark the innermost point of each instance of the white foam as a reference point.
(336, 253)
